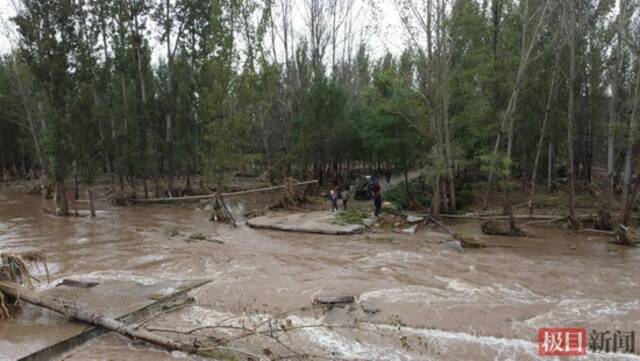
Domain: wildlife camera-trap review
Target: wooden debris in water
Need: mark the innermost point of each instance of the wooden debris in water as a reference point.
(495, 228)
(202, 237)
(221, 212)
(334, 300)
(73, 311)
(78, 284)
(14, 267)
(627, 236)
(292, 196)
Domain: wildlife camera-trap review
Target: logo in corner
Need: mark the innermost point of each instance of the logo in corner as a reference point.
(562, 341)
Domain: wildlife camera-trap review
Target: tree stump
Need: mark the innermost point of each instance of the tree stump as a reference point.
(574, 223)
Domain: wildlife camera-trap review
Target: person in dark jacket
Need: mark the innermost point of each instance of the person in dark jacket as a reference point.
(377, 197)
(345, 195)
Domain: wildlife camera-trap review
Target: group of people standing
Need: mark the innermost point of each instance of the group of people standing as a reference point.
(344, 195)
(374, 189)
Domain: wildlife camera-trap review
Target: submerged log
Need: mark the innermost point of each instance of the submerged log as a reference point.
(73, 311)
(460, 241)
(334, 300)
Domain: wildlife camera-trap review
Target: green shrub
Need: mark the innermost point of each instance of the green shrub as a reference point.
(351, 216)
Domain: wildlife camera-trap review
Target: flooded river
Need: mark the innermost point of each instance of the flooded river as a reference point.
(417, 298)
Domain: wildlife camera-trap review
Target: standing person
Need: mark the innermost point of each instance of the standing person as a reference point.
(334, 199)
(377, 197)
(345, 195)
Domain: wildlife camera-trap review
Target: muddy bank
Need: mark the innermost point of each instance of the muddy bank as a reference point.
(484, 304)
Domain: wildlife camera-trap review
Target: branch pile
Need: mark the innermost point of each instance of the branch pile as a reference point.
(292, 196)
(14, 267)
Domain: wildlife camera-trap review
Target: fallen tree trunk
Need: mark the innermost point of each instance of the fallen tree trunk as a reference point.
(465, 242)
(72, 311)
(532, 217)
(213, 195)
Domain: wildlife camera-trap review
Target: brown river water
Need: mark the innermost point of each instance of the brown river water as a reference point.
(417, 298)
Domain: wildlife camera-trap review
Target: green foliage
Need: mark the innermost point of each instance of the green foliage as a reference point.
(388, 129)
(351, 216)
(86, 86)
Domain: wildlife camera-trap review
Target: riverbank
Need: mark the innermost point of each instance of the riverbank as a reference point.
(417, 298)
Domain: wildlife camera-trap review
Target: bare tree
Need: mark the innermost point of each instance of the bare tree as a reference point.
(632, 39)
(571, 112)
(428, 24)
(528, 43)
(545, 122)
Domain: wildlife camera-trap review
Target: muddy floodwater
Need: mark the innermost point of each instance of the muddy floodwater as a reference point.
(417, 298)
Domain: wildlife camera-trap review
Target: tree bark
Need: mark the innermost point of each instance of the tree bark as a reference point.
(543, 131)
(61, 202)
(550, 165)
(507, 123)
(627, 201)
(92, 207)
(73, 311)
(571, 111)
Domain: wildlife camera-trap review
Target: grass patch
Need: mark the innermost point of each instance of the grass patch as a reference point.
(351, 216)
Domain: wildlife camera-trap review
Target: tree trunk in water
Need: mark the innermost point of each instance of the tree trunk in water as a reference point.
(72, 311)
(92, 207)
(61, 202)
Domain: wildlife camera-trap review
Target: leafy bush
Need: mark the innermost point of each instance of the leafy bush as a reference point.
(351, 216)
